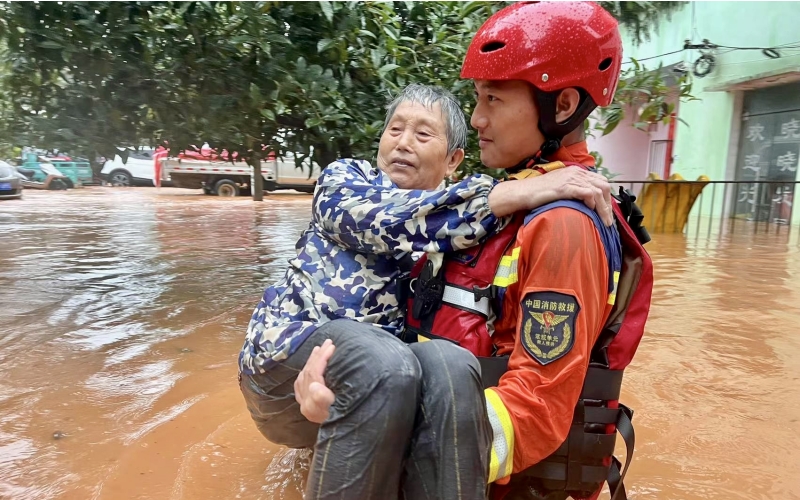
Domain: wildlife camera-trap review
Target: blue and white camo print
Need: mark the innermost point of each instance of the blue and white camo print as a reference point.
(348, 260)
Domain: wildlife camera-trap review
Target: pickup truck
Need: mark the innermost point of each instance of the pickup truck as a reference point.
(221, 177)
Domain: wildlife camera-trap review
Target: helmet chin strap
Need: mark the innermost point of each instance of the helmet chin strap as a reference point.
(549, 147)
(553, 131)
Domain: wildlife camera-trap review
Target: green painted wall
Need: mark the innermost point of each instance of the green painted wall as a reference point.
(708, 143)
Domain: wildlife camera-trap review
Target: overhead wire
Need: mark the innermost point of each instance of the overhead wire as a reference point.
(655, 57)
(733, 63)
(789, 45)
(731, 48)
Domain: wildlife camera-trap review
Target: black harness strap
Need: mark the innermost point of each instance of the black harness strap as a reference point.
(633, 214)
(492, 369)
(602, 383)
(579, 477)
(615, 477)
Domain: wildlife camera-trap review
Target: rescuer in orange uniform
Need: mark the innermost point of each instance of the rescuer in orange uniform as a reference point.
(547, 309)
(539, 70)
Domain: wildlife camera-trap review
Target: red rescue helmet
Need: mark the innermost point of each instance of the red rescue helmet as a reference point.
(552, 46)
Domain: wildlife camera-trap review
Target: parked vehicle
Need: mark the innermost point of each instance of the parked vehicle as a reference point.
(78, 170)
(53, 179)
(218, 176)
(140, 169)
(74, 173)
(10, 182)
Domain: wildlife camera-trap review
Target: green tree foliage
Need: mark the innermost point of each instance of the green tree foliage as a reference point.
(79, 74)
(641, 19)
(312, 78)
(651, 94)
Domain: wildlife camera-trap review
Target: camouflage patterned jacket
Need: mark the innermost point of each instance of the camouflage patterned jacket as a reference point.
(349, 260)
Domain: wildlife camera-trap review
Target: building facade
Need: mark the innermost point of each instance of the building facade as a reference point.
(745, 125)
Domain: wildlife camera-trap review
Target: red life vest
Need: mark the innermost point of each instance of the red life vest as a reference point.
(465, 304)
(459, 304)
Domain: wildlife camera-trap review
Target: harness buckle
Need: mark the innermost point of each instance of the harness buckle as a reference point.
(489, 292)
(428, 292)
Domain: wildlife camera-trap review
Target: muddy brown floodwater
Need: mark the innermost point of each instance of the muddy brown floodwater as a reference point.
(122, 312)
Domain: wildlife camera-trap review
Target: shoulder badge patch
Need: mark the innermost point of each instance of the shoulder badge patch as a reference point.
(548, 325)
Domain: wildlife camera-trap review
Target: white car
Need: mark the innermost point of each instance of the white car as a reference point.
(139, 170)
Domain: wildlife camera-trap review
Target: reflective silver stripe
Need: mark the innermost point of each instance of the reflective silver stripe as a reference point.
(465, 299)
(501, 462)
(504, 271)
(507, 270)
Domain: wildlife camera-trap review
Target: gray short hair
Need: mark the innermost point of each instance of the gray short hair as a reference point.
(429, 95)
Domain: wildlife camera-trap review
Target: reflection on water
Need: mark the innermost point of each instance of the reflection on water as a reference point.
(113, 300)
(123, 311)
(715, 382)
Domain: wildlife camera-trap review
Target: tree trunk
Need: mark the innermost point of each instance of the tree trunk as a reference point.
(96, 168)
(258, 179)
(345, 150)
(323, 154)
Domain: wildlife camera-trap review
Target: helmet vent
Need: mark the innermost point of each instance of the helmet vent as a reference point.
(605, 64)
(492, 46)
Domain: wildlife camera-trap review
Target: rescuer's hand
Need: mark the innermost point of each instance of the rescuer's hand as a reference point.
(310, 391)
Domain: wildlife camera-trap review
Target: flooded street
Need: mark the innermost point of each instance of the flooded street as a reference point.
(123, 311)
